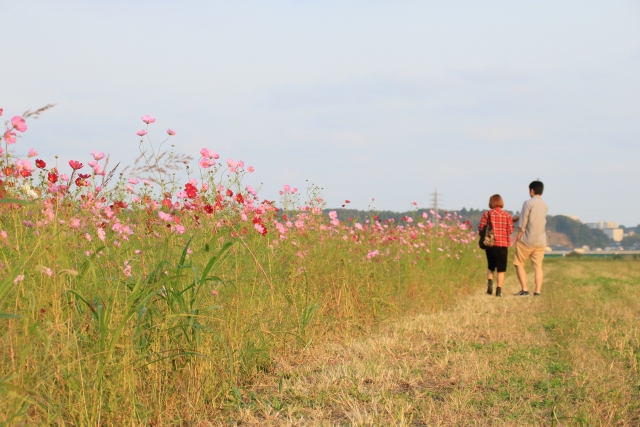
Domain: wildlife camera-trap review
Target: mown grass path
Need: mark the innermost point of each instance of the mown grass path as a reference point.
(569, 357)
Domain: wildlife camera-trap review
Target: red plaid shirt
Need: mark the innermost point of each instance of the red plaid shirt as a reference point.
(502, 226)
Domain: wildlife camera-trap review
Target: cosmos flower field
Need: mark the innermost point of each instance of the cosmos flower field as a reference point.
(130, 295)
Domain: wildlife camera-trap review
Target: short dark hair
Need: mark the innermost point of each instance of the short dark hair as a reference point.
(496, 201)
(537, 187)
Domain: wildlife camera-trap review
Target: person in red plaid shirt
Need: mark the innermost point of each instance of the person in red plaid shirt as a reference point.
(502, 224)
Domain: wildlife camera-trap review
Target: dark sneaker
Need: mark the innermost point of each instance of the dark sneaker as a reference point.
(498, 292)
(536, 294)
(523, 294)
(490, 289)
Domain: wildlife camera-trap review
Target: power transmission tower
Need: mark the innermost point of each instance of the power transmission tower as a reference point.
(436, 200)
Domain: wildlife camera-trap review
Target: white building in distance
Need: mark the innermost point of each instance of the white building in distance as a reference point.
(602, 225)
(609, 228)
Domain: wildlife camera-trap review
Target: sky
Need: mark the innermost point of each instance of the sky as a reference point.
(366, 99)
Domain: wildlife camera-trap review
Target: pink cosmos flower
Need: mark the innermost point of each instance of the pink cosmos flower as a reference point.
(97, 155)
(127, 269)
(75, 165)
(171, 132)
(92, 164)
(180, 229)
(64, 177)
(133, 181)
(206, 162)
(250, 169)
(259, 228)
(75, 222)
(250, 190)
(286, 188)
(10, 136)
(231, 163)
(1, 111)
(24, 164)
(32, 153)
(148, 119)
(18, 123)
(101, 234)
(141, 132)
(1, 151)
(165, 216)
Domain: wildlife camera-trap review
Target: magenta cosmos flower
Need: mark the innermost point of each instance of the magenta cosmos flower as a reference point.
(148, 119)
(75, 165)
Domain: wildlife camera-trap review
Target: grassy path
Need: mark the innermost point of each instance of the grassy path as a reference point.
(570, 357)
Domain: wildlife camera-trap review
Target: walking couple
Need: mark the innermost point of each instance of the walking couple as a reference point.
(531, 240)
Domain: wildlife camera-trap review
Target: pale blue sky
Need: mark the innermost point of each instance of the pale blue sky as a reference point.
(365, 98)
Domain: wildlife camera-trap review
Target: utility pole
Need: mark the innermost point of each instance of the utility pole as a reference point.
(436, 198)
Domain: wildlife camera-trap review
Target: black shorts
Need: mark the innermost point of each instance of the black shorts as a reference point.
(497, 259)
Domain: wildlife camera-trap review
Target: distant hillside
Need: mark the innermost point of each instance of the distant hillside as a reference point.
(579, 233)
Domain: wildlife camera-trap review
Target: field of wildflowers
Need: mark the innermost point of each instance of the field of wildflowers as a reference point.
(130, 297)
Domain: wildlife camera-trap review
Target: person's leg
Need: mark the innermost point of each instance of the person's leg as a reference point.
(489, 275)
(500, 279)
(539, 275)
(518, 261)
(522, 277)
(536, 262)
(502, 255)
(491, 266)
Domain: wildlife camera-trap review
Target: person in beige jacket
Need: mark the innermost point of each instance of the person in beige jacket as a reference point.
(532, 238)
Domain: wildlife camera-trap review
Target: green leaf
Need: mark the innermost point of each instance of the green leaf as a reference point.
(213, 261)
(17, 202)
(10, 316)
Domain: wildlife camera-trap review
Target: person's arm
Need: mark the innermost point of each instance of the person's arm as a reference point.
(483, 221)
(524, 220)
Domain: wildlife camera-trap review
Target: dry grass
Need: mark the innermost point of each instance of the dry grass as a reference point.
(569, 357)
